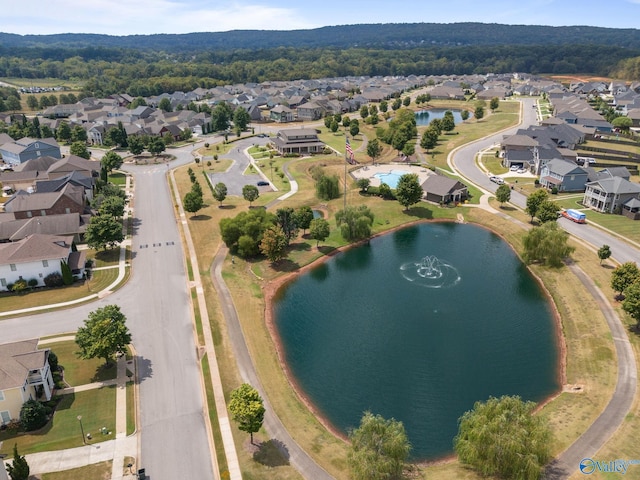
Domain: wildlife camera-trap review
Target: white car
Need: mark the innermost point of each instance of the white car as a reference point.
(514, 168)
(522, 170)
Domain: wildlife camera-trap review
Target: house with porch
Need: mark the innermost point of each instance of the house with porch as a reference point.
(607, 195)
(298, 140)
(563, 175)
(24, 375)
(441, 189)
(281, 114)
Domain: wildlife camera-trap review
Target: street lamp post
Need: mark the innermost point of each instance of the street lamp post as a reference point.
(82, 430)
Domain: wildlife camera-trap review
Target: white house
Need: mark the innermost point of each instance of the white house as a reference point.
(24, 375)
(36, 256)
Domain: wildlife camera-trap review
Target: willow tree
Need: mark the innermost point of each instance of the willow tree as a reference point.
(379, 448)
(501, 437)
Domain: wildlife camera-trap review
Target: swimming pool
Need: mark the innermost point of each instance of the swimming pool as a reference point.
(390, 178)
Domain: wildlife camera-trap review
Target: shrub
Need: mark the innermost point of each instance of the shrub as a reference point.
(206, 145)
(67, 276)
(208, 163)
(53, 361)
(554, 191)
(19, 286)
(10, 287)
(197, 160)
(53, 280)
(33, 415)
(33, 282)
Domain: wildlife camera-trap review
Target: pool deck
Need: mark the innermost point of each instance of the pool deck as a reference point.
(368, 171)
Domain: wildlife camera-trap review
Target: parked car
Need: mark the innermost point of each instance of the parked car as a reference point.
(522, 170)
(497, 180)
(262, 183)
(514, 168)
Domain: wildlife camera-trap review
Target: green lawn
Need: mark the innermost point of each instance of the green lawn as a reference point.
(79, 371)
(96, 471)
(97, 408)
(118, 178)
(616, 223)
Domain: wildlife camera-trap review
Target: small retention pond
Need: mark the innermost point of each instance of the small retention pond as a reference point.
(424, 117)
(418, 325)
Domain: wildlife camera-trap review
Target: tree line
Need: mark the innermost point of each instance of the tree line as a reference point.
(152, 73)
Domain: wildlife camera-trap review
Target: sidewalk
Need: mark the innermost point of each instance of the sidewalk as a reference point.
(114, 450)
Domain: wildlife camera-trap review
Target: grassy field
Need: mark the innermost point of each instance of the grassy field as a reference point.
(97, 407)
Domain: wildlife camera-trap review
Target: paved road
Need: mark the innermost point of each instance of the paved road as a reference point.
(157, 305)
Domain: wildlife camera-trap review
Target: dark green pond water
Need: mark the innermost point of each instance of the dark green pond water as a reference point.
(382, 328)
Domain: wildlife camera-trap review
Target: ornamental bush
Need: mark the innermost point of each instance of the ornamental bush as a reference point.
(33, 415)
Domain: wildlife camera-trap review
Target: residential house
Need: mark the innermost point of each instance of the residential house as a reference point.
(310, 111)
(441, 189)
(563, 175)
(298, 140)
(67, 224)
(24, 375)
(27, 148)
(71, 199)
(607, 195)
(36, 256)
(281, 114)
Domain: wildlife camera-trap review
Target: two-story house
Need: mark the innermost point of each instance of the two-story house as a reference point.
(27, 148)
(565, 176)
(298, 140)
(607, 195)
(70, 199)
(24, 375)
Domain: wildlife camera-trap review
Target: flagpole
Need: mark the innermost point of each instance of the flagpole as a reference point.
(345, 174)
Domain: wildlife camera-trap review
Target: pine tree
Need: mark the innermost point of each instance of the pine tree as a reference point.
(19, 468)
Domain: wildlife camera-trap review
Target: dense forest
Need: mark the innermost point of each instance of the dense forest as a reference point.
(391, 35)
(153, 64)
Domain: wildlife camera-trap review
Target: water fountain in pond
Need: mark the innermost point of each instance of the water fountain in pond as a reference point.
(431, 272)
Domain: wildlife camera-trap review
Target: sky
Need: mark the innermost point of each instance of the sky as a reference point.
(129, 17)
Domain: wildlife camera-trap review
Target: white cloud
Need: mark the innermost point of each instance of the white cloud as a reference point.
(123, 17)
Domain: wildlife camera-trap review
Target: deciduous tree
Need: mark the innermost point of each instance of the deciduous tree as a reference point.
(408, 190)
(604, 252)
(503, 194)
(302, 218)
(502, 437)
(374, 149)
(247, 408)
(631, 302)
(104, 334)
(220, 192)
(80, 149)
(192, 202)
(103, 231)
(111, 161)
(274, 243)
(319, 230)
(624, 275)
(534, 201)
(379, 449)
(250, 193)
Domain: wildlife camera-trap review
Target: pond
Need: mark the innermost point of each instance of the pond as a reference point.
(418, 325)
(424, 117)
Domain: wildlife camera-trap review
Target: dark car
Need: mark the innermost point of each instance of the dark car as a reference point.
(262, 183)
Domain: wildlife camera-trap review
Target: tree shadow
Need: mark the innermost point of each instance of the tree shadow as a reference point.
(105, 371)
(226, 207)
(299, 247)
(145, 369)
(420, 212)
(507, 208)
(200, 217)
(135, 223)
(326, 249)
(285, 265)
(272, 453)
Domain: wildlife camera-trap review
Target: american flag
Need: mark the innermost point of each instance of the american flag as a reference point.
(349, 153)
